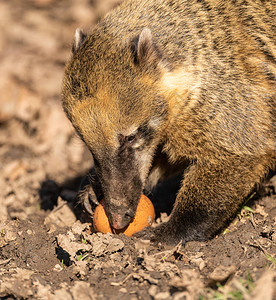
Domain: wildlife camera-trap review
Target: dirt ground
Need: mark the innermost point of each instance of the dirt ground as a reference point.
(47, 250)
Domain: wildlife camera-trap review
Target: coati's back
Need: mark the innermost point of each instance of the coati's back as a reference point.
(196, 78)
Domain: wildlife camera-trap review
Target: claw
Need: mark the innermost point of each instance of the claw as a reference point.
(87, 206)
(88, 199)
(93, 199)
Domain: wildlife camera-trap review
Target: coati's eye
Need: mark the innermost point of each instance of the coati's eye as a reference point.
(127, 140)
(131, 138)
(137, 139)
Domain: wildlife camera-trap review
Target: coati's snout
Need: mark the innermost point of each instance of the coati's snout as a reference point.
(122, 184)
(119, 216)
(122, 187)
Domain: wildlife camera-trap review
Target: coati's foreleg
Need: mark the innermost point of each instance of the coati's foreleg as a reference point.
(210, 196)
(90, 192)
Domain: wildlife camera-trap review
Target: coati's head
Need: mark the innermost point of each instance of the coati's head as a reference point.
(111, 96)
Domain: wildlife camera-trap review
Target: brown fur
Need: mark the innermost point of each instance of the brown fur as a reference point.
(194, 79)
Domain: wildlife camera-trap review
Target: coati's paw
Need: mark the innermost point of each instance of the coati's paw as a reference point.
(87, 198)
(160, 234)
(147, 233)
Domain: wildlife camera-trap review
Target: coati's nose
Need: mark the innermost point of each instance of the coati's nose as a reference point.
(117, 221)
(121, 220)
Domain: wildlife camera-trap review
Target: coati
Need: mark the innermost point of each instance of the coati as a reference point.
(177, 79)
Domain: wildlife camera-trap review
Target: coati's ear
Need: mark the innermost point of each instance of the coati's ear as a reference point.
(144, 50)
(79, 39)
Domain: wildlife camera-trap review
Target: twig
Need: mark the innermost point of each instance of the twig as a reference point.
(122, 281)
(252, 221)
(170, 252)
(3, 262)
